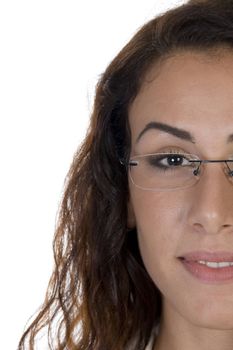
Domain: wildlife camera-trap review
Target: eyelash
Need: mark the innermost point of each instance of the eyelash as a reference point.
(176, 151)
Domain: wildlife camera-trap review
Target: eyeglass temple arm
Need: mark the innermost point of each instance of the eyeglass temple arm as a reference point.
(123, 162)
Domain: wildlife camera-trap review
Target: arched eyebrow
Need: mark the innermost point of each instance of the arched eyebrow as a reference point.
(180, 133)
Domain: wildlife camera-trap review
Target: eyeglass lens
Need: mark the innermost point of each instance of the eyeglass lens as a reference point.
(166, 170)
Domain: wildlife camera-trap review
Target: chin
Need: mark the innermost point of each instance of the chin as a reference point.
(214, 320)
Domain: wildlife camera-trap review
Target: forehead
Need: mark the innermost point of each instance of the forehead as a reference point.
(193, 91)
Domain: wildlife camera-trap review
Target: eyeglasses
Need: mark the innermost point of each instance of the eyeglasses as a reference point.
(169, 171)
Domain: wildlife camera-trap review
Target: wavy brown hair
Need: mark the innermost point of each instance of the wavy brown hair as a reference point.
(100, 295)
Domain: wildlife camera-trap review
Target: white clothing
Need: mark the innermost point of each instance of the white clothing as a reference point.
(151, 342)
(149, 346)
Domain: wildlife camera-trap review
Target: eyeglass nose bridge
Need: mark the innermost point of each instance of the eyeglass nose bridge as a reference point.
(196, 171)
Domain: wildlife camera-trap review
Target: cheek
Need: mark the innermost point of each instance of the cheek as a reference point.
(157, 215)
(158, 221)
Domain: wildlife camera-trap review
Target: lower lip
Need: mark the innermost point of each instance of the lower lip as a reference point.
(207, 274)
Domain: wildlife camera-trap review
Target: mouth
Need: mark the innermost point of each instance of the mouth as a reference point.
(208, 270)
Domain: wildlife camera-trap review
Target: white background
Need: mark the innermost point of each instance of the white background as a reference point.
(51, 56)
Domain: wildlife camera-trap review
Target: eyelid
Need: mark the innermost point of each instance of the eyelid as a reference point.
(180, 151)
(173, 150)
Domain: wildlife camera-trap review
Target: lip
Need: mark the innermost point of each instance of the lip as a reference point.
(216, 256)
(206, 274)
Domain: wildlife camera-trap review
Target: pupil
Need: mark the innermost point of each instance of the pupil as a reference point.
(174, 160)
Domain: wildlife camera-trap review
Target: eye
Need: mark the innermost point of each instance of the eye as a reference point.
(164, 161)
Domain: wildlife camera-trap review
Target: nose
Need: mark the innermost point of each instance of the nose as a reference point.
(211, 208)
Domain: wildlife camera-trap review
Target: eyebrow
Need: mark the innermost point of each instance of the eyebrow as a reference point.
(180, 133)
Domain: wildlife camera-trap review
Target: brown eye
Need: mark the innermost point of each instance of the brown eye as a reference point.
(164, 161)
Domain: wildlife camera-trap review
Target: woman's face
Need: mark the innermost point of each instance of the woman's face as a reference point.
(193, 93)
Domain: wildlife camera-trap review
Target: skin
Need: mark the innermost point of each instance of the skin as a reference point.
(192, 91)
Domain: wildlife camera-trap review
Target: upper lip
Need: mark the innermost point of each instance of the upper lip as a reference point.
(208, 256)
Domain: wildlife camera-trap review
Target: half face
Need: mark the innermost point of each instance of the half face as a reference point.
(193, 93)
